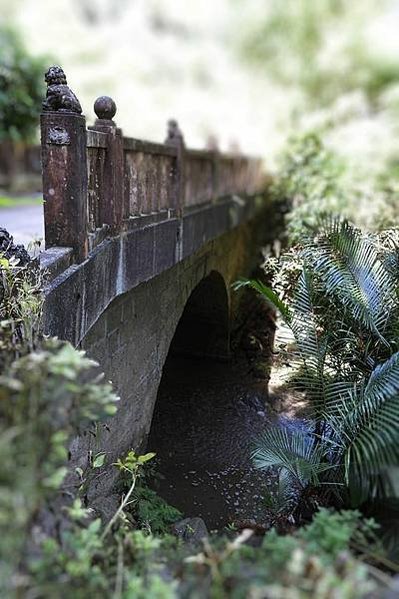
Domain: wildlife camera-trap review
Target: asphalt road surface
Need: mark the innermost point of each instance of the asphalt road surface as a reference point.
(24, 223)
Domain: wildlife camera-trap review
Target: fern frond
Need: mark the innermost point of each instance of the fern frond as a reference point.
(369, 424)
(295, 452)
(284, 499)
(267, 292)
(351, 272)
(311, 343)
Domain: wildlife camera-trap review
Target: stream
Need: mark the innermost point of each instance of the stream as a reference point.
(207, 417)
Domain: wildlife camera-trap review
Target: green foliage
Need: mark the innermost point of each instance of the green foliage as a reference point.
(20, 310)
(11, 202)
(294, 453)
(21, 88)
(292, 42)
(331, 533)
(141, 504)
(133, 462)
(317, 561)
(344, 317)
(92, 560)
(317, 181)
(310, 177)
(153, 512)
(267, 292)
(45, 396)
(154, 587)
(289, 38)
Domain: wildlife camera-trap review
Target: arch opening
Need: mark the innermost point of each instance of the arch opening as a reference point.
(205, 416)
(203, 329)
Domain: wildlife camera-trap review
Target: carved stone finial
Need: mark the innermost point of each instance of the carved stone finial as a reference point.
(105, 108)
(212, 143)
(59, 97)
(174, 134)
(234, 147)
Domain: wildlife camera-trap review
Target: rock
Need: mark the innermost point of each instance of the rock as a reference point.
(190, 530)
(106, 507)
(9, 249)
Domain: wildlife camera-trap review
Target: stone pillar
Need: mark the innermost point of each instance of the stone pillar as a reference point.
(175, 138)
(64, 166)
(212, 144)
(113, 210)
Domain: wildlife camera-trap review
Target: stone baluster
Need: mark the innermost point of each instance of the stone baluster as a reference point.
(113, 210)
(175, 138)
(212, 144)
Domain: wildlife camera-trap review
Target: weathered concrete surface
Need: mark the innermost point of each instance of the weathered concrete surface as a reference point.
(77, 297)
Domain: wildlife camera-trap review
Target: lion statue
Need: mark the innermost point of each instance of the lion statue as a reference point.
(59, 97)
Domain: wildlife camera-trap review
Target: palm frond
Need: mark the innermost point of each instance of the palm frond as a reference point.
(311, 343)
(345, 321)
(267, 292)
(284, 498)
(293, 451)
(304, 310)
(368, 424)
(350, 270)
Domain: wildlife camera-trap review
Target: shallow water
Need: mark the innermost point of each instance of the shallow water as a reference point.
(206, 419)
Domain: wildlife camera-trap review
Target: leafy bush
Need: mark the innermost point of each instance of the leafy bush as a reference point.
(331, 533)
(153, 512)
(21, 88)
(314, 562)
(344, 318)
(310, 177)
(287, 37)
(45, 396)
(317, 179)
(20, 309)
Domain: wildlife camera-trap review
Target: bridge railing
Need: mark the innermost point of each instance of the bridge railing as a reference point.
(96, 155)
(149, 175)
(98, 183)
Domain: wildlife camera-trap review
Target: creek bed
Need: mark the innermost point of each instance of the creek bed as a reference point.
(207, 417)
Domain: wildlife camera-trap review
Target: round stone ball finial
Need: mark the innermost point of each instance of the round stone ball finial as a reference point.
(105, 108)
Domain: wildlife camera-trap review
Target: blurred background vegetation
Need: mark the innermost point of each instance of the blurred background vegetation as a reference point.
(248, 72)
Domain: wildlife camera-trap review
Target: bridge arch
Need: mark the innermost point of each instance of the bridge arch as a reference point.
(183, 312)
(204, 326)
(203, 331)
(188, 412)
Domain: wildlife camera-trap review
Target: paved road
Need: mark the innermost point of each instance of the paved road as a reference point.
(25, 223)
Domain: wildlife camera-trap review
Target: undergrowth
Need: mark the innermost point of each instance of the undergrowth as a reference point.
(52, 542)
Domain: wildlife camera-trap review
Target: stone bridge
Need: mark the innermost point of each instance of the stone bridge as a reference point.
(143, 242)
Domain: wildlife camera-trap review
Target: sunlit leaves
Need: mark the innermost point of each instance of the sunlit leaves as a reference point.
(344, 317)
